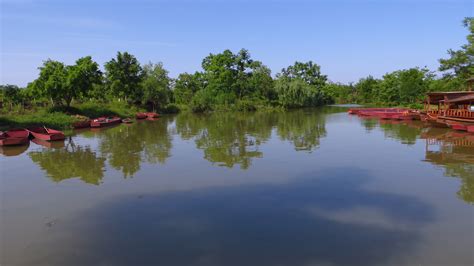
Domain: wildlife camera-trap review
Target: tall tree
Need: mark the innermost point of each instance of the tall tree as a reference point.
(186, 85)
(461, 62)
(52, 81)
(123, 76)
(11, 94)
(301, 85)
(156, 85)
(81, 78)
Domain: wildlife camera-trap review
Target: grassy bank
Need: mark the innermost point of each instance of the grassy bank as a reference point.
(62, 117)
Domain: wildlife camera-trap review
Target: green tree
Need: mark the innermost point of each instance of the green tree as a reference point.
(301, 85)
(62, 83)
(81, 78)
(52, 82)
(123, 76)
(367, 89)
(461, 62)
(186, 85)
(11, 94)
(156, 85)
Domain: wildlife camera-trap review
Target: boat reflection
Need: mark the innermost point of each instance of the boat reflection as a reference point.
(57, 144)
(454, 151)
(14, 150)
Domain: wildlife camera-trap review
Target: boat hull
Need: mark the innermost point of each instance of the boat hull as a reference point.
(141, 116)
(46, 134)
(105, 122)
(11, 141)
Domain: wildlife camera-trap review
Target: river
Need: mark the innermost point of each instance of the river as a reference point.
(302, 187)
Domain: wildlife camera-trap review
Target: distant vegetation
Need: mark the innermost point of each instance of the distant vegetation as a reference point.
(227, 81)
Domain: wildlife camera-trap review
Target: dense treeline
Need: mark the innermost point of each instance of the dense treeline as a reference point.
(231, 81)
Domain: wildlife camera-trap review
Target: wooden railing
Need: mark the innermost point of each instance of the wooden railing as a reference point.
(461, 113)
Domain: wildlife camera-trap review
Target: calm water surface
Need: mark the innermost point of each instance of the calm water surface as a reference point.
(305, 187)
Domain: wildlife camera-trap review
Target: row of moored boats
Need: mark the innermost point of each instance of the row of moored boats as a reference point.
(21, 136)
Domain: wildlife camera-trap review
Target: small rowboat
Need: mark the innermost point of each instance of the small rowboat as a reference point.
(105, 121)
(141, 115)
(45, 133)
(14, 137)
(152, 115)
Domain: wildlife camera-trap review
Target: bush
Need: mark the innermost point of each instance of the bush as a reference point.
(171, 109)
(202, 101)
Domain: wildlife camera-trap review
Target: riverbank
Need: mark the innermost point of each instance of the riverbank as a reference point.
(62, 117)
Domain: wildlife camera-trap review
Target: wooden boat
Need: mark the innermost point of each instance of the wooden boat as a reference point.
(141, 115)
(14, 137)
(152, 115)
(45, 133)
(459, 127)
(127, 120)
(470, 129)
(106, 121)
(369, 111)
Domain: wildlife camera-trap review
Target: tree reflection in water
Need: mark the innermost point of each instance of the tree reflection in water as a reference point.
(449, 149)
(230, 139)
(126, 147)
(73, 161)
(454, 151)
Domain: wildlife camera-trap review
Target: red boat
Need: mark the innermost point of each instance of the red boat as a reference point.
(368, 111)
(106, 121)
(141, 115)
(459, 127)
(470, 129)
(45, 133)
(14, 137)
(152, 115)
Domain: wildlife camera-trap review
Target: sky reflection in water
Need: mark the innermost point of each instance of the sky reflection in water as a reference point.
(243, 189)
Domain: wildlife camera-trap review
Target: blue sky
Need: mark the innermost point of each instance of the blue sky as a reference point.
(349, 39)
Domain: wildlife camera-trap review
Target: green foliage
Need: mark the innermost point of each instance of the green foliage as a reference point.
(12, 95)
(202, 101)
(62, 83)
(124, 76)
(156, 86)
(366, 89)
(52, 81)
(301, 85)
(42, 117)
(228, 81)
(231, 77)
(186, 86)
(461, 62)
(339, 93)
(82, 77)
